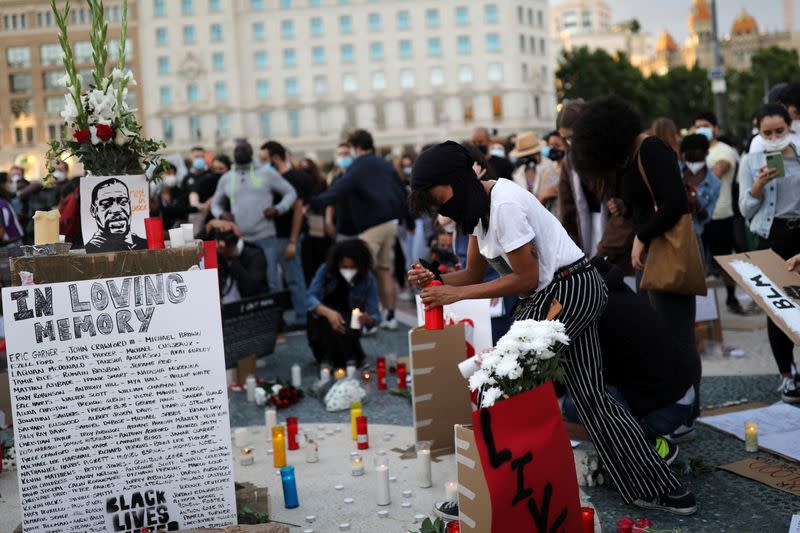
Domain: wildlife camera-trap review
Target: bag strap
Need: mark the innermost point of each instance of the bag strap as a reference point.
(642, 171)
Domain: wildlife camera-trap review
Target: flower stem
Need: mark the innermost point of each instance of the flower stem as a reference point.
(69, 60)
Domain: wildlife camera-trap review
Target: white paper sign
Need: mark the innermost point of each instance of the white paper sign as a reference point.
(706, 307)
(113, 209)
(120, 404)
(476, 310)
(770, 294)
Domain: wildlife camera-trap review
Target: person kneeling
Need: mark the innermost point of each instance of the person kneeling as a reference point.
(342, 284)
(241, 265)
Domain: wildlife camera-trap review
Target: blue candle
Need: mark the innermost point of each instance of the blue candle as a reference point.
(289, 488)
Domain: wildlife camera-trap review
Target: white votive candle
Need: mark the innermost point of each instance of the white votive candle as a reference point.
(271, 420)
(325, 374)
(383, 497)
(188, 233)
(297, 376)
(355, 319)
(451, 491)
(176, 238)
(351, 371)
(250, 387)
(424, 465)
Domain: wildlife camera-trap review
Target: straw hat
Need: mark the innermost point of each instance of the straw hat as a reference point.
(527, 144)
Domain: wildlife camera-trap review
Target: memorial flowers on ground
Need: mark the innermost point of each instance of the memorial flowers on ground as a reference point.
(101, 128)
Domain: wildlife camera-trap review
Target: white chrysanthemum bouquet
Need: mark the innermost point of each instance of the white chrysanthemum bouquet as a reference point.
(526, 357)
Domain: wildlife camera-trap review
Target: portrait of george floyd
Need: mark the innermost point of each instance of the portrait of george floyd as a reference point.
(113, 209)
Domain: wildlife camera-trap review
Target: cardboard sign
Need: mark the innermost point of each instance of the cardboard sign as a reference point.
(250, 326)
(120, 404)
(476, 310)
(441, 396)
(772, 472)
(113, 209)
(474, 509)
(764, 277)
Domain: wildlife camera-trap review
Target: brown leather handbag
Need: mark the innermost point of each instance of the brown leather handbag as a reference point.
(673, 259)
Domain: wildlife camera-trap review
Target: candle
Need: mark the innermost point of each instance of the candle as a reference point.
(45, 226)
(381, 382)
(401, 376)
(154, 231)
(291, 432)
(62, 239)
(289, 488)
(261, 396)
(297, 376)
(279, 447)
(246, 457)
(271, 419)
(391, 362)
(367, 376)
(188, 233)
(451, 491)
(210, 259)
(751, 436)
(325, 374)
(176, 238)
(250, 387)
(312, 449)
(355, 319)
(380, 362)
(339, 374)
(351, 370)
(434, 317)
(424, 463)
(362, 437)
(356, 464)
(453, 527)
(587, 520)
(355, 412)
(382, 473)
(240, 437)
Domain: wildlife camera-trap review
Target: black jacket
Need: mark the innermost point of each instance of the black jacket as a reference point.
(248, 271)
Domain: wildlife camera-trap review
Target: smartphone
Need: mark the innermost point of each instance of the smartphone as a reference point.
(775, 160)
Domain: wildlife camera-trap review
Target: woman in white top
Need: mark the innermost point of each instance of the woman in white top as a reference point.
(538, 261)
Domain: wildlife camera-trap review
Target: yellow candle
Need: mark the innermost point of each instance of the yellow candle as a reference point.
(279, 447)
(339, 373)
(45, 226)
(751, 436)
(355, 412)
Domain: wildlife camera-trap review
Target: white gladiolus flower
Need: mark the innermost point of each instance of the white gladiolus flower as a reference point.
(490, 396)
(95, 138)
(117, 74)
(63, 81)
(70, 112)
(120, 139)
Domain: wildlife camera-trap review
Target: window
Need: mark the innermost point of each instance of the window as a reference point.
(258, 31)
(262, 89)
(320, 85)
(532, 45)
(525, 74)
(349, 83)
(493, 42)
(113, 51)
(586, 19)
(19, 56)
(20, 83)
(52, 132)
(163, 65)
(53, 105)
(465, 74)
(542, 47)
(464, 45)
(294, 123)
(159, 8)
(218, 61)
(285, 4)
(569, 20)
(165, 95)
(530, 17)
(462, 15)
(186, 7)
(50, 54)
(521, 43)
(52, 80)
(263, 124)
(161, 36)
(403, 20)
(213, 6)
(374, 22)
(490, 13)
(407, 79)
(83, 52)
(192, 93)
(216, 33)
(188, 35)
(520, 14)
(316, 26)
(343, 2)
(437, 77)
(378, 81)
(287, 29)
(405, 49)
(432, 18)
(537, 106)
(194, 128)
(223, 126)
(289, 57)
(318, 55)
(347, 53)
(167, 132)
(495, 72)
(220, 91)
(345, 24)
(291, 86)
(22, 107)
(497, 107)
(260, 59)
(23, 135)
(376, 51)
(434, 47)
(469, 111)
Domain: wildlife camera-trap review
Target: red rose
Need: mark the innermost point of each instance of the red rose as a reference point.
(641, 525)
(104, 132)
(625, 525)
(83, 136)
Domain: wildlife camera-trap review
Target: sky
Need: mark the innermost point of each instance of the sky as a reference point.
(656, 15)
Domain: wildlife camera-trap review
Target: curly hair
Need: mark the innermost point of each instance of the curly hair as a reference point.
(354, 249)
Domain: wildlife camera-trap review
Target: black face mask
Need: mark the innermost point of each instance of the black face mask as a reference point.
(469, 204)
(556, 154)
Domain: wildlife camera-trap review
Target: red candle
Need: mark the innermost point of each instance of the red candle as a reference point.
(381, 362)
(587, 519)
(401, 375)
(291, 428)
(154, 231)
(454, 527)
(381, 383)
(210, 254)
(361, 430)
(434, 316)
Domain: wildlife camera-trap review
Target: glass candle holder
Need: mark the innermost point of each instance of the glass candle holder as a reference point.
(382, 476)
(751, 436)
(451, 491)
(289, 483)
(339, 373)
(401, 375)
(453, 527)
(355, 412)
(356, 464)
(246, 458)
(381, 377)
(363, 436)
(424, 464)
(587, 520)
(278, 447)
(291, 433)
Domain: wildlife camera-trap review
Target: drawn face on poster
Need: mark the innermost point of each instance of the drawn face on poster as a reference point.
(113, 210)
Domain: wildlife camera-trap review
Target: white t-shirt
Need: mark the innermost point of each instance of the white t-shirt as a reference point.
(722, 152)
(516, 218)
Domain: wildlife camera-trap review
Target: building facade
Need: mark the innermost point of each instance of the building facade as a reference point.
(31, 98)
(306, 71)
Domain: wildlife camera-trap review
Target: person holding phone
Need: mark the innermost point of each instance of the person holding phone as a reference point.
(771, 203)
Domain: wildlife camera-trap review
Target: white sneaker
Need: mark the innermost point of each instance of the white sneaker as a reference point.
(391, 325)
(369, 332)
(789, 392)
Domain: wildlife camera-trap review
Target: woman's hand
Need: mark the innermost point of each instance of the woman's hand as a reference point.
(765, 175)
(439, 295)
(793, 264)
(480, 172)
(637, 254)
(418, 277)
(336, 321)
(366, 320)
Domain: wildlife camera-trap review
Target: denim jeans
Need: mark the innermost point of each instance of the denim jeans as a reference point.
(274, 248)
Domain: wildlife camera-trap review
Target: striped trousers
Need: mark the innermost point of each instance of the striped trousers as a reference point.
(633, 464)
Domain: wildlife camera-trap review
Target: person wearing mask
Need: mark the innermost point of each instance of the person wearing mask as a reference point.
(248, 190)
(173, 202)
(539, 262)
(533, 174)
(374, 196)
(702, 186)
(771, 202)
(412, 241)
(788, 96)
(343, 283)
(320, 229)
(718, 237)
(345, 227)
(198, 168)
(241, 264)
(501, 167)
(288, 232)
(10, 228)
(665, 129)
(601, 158)
(17, 176)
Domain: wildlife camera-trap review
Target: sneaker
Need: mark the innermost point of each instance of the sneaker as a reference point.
(446, 510)
(735, 307)
(789, 390)
(390, 324)
(667, 451)
(682, 434)
(369, 332)
(679, 501)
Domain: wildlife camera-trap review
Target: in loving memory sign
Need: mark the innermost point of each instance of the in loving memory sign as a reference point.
(120, 404)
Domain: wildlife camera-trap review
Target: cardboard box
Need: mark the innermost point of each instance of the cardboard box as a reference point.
(474, 502)
(440, 393)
